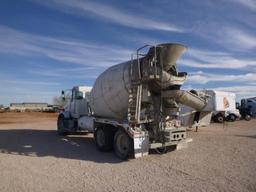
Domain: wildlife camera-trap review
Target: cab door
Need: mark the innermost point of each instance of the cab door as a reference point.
(79, 103)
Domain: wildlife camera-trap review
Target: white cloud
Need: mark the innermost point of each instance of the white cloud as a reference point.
(251, 4)
(238, 39)
(111, 14)
(234, 38)
(18, 90)
(203, 78)
(68, 73)
(22, 82)
(87, 60)
(16, 42)
(211, 59)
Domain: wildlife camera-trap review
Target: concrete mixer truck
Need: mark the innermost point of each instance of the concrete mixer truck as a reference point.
(134, 106)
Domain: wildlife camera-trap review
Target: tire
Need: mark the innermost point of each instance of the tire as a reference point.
(161, 150)
(247, 117)
(123, 145)
(104, 138)
(219, 118)
(61, 126)
(232, 117)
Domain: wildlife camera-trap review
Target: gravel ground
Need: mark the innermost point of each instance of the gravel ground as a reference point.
(34, 158)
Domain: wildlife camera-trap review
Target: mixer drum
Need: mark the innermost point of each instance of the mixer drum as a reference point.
(109, 95)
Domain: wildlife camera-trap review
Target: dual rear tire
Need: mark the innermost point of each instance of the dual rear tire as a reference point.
(107, 139)
(123, 145)
(104, 138)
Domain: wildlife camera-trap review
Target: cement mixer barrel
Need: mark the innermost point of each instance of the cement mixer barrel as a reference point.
(109, 95)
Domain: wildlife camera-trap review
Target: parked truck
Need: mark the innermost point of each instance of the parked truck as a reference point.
(223, 105)
(134, 106)
(247, 108)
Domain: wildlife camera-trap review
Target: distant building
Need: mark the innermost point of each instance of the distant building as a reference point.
(2, 109)
(28, 107)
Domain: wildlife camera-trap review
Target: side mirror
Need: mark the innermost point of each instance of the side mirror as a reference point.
(63, 95)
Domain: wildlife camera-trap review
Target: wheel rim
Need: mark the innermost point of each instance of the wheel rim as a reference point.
(100, 138)
(220, 119)
(247, 117)
(122, 144)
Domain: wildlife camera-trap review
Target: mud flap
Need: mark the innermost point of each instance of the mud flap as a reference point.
(183, 144)
(141, 144)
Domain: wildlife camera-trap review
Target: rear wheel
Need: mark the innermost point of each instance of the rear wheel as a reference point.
(161, 150)
(232, 117)
(219, 118)
(123, 145)
(61, 126)
(104, 138)
(247, 117)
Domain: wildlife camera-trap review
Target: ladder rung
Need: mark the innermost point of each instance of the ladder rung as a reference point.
(134, 101)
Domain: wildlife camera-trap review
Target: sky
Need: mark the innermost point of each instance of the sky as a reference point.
(51, 45)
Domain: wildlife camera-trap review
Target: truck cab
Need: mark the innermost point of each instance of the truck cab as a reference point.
(248, 106)
(78, 104)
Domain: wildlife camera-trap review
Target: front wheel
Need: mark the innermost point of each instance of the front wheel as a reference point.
(123, 145)
(61, 126)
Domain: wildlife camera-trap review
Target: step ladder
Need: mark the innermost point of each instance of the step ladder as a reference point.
(135, 90)
(134, 103)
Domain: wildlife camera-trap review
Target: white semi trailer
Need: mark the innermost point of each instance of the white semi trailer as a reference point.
(133, 106)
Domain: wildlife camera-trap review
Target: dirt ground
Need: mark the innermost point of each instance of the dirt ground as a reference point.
(34, 158)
